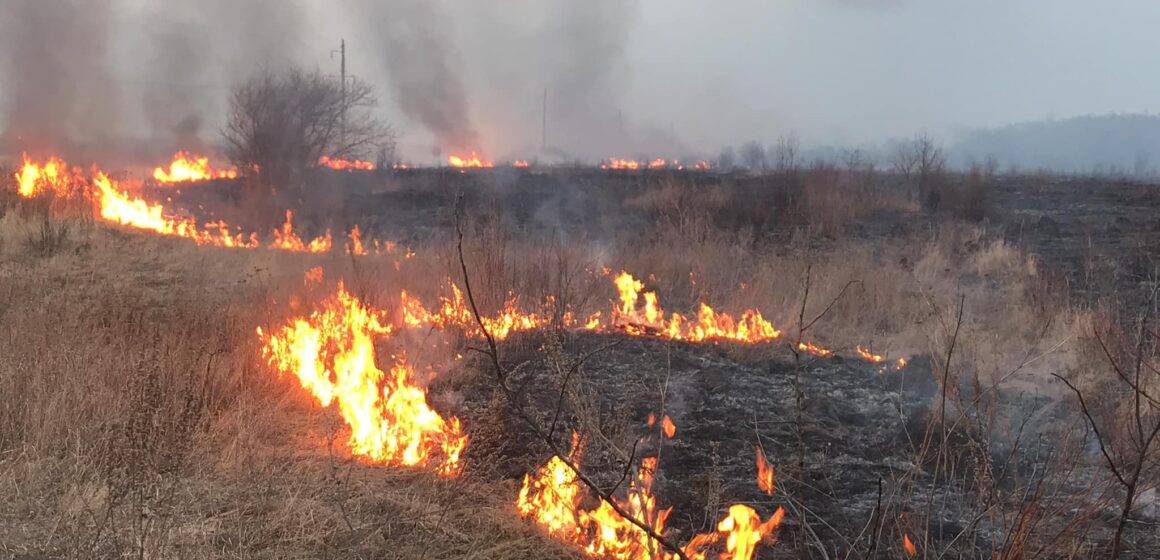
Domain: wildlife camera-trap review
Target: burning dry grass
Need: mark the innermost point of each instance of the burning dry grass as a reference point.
(139, 418)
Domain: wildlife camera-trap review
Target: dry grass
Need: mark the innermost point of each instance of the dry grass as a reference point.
(137, 419)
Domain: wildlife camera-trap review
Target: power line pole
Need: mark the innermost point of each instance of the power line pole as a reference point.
(342, 78)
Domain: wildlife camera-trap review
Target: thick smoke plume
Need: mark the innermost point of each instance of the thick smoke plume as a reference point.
(59, 84)
(416, 47)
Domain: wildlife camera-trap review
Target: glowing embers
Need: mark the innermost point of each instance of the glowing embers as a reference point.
(340, 164)
(331, 353)
(472, 160)
(639, 313)
(187, 168)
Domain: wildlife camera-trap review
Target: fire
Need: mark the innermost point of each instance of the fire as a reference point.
(649, 318)
(473, 161)
(340, 164)
(702, 165)
(286, 240)
(454, 311)
(658, 163)
(53, 176)
(869, 356)
(908, 546)
(765, 473)
(186, 168)
(814, 349)
(552, 498)
(617, 163)
(521, 164)
(742, 530)
(331, 352)
(116, 206)
(900, 363)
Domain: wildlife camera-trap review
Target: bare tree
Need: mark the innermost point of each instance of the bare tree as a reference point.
(281, 124)
(786, 153)
(753, 156)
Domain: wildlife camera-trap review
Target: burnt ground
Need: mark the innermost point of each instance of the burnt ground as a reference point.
(859, 424)
(1101, 236)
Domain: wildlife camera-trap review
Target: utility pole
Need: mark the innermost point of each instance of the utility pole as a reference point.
(544, 124)
(342, 78)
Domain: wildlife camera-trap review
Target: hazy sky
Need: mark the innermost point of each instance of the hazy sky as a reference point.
(669, 77)
(849, 71)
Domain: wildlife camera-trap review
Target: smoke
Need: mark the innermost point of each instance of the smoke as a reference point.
(197, 51)
(415, 46)
(60, 87)
(586, 42)
(142, 78)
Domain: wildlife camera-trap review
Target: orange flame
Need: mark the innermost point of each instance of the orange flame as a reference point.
(117, 207)
(617, 163)
(765, 473)
(552, 498)
(332, 354)
(702, 165)
(286, 240)
(658, 163)
(473, 161)
(339, 164)
(636, 319)
(53, 177)
(908, 546)
(900, 364)
(521, 164)
(869, 356)
(187, 168)
(814, 349)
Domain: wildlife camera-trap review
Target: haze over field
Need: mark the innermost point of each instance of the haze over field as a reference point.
(663, 77)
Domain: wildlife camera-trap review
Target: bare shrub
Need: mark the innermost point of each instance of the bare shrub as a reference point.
(281, 124)
(753, 156)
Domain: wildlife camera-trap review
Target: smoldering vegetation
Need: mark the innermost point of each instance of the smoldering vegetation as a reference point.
(973, 449)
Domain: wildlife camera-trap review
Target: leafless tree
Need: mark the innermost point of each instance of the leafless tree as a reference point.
(281, 124)
(753, 156)
(785, 154)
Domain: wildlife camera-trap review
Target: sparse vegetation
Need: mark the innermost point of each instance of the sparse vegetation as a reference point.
(139, 420)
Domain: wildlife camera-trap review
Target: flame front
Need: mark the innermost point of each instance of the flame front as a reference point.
(188, 168)
(635, 318)
(552, 498)
(339, 164)
(869, 356)
(331, 352)
(473, 161)
(286, 240)
(52, 177)
(118, 207)
(622, 164)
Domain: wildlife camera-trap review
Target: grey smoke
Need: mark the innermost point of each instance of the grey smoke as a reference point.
(60, 85)
(416, 47)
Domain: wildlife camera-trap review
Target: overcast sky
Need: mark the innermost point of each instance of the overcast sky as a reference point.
(661, 76)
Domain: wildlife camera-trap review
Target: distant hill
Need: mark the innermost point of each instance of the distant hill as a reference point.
(1120, 144)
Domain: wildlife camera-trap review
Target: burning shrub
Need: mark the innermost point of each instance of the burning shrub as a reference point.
(281, 125)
